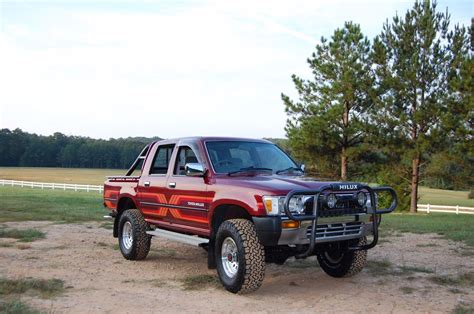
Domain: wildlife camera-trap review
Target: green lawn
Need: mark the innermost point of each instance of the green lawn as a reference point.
(58, 175)
(444, 197)
(20, 204)
(451, 226)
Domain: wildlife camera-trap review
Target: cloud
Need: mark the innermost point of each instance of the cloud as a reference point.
(166, 72)
(104, 69)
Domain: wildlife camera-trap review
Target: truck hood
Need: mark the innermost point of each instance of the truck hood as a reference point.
(274, 184)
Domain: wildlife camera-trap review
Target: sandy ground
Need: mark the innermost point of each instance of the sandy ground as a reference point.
(99, 279)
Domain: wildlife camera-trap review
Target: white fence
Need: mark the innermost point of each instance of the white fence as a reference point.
(53, 186)
(428, 208)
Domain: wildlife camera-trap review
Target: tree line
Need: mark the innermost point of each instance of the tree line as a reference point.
(395, 110)
(22, 149)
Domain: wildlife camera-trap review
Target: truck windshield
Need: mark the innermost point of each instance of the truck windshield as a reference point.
(236, 156)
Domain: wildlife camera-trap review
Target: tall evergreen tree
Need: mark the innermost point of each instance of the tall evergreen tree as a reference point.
(412, 62)
(328, 121)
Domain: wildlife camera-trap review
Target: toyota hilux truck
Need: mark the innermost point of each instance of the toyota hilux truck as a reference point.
(247, 203)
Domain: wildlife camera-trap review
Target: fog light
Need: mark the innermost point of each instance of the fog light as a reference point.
(361, 198)
(331, 200)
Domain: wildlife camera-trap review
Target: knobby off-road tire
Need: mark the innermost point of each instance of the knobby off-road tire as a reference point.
(133, 241)
(240, 257)
(338, 262)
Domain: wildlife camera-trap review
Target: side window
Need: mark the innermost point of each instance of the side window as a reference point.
(162, 159)
(185, 156)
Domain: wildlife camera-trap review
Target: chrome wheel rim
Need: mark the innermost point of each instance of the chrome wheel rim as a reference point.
(127, 235)
(230, 262)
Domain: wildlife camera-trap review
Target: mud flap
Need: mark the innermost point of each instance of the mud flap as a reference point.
(211, 255)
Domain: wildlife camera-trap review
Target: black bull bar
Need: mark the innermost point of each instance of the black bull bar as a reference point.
(340, 187)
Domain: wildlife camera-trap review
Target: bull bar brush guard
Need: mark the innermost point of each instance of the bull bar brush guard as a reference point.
(337, 187)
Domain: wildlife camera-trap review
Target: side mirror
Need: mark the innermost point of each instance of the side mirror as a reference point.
(303, 167)
(194, 170)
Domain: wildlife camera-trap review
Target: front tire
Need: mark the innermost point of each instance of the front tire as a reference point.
(240, 257)
(134, 242)
(337, 261)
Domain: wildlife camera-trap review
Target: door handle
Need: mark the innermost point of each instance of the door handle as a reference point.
(146, 183)
(172, 184)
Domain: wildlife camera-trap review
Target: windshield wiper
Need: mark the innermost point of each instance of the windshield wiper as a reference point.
(246, 169)
(290, 169)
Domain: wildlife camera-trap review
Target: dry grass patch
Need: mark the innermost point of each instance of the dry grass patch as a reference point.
(45, 288)
(463, 310)
(198, 282)
(407, 290)
(23, 246)
(16, 306)
(415, 269)
(466, 279)
(26, 235)
(380, 268)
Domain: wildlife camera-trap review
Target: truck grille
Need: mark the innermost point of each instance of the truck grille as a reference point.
(337, 230)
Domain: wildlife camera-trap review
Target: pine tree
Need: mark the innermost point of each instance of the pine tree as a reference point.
(413, 65)
(328, 120)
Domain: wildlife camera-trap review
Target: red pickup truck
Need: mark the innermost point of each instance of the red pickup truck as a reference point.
(247, 203)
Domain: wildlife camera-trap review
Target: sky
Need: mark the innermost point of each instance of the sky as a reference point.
(167, 68)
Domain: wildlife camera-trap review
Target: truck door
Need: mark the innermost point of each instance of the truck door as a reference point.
(188, 197)
(152, 185)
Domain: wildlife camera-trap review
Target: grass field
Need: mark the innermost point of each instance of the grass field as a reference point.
(59, 175)
(97, 176)
(21, 204)
(451, 226)
(445, 197)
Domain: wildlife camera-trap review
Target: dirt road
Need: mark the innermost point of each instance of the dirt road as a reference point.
(405, 274)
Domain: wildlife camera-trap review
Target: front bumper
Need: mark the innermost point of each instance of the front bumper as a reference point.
(270, 232)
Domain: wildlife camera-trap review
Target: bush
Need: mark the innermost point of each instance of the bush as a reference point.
(390, 175)
(471, 195)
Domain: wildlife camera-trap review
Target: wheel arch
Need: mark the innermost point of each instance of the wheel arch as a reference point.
(225, 212)
(124, 203)
(219, 214)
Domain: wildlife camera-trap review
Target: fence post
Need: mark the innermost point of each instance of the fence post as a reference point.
(42, 185)
(457, 209)
(88, 188)
(21, 183)
(428, 209)
(75, 187)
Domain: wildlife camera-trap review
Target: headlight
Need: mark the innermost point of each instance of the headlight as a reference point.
(331, 200)
(361, 198)
(296, 204)
(274, 205)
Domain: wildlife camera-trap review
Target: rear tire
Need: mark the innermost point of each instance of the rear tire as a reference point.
(337, 261)
(133, 240)
(240, 257)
